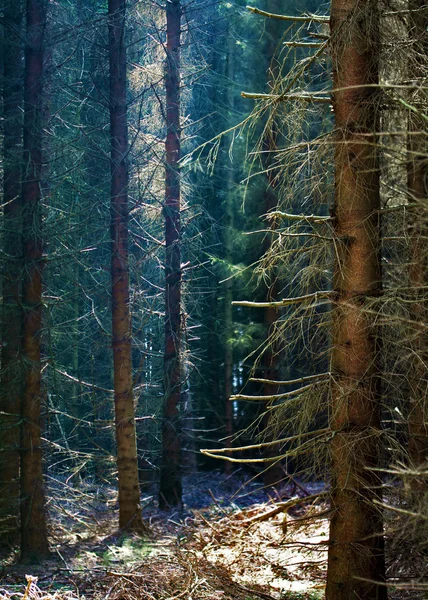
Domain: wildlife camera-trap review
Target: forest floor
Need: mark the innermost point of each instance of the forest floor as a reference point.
(229, 543)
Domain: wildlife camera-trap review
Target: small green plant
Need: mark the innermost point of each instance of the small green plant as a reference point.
(130, 551)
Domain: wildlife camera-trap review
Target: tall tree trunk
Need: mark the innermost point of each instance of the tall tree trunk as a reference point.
(417, 188)
(130, 517)
(34, 543)
(356, 552)
(11, 373)
(170, 493)
(227, 240)
(75, 402)
(273, 473)
(228, 321)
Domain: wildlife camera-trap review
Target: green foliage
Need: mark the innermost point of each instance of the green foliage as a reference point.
(129, 552)
(246, 336)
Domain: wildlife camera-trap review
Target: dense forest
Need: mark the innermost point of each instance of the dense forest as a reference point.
(213, 280)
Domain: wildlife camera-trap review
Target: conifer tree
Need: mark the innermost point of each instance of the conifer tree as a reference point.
(170, 493)
(34, 542)
(130, 517)
(356, 554)
(11, 310)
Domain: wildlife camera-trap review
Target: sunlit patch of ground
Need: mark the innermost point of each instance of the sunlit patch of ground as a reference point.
(287, 557)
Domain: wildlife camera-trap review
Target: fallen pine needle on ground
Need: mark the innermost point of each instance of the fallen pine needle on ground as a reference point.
(224, 546)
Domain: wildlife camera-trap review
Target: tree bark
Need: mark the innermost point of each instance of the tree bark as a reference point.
(130, 518)
(11, 373)
(34, 542)
(356, 547)
(170, 493)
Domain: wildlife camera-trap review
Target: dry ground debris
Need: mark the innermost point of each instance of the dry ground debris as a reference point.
(224, 546)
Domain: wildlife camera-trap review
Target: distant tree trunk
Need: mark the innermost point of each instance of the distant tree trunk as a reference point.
(417, 187)
(11, 364)
(228, 328)
(227, 240)
(34, 542)
(76, 388)
(170, 493)
(130, 517)
(273, 473)
(356, 547)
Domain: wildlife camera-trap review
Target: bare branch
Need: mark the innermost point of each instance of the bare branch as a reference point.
(274, 396)
(292, 381)
(284, 97)
(327, 295)
(308, 19)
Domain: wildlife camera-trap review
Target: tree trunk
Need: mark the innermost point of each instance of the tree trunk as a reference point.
(273, 473)
(11, 373)
(228, 256)
(170, 493)
(130, 517)
(34, 543)
(417, 189)
(228, 327)
(356, 541)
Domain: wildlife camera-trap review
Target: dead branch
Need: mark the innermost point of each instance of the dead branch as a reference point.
(281, 507)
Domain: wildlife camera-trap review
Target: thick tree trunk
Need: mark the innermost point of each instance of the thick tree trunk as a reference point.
(12, 316)
(417, 189)
(356, 555)
(34, 543)
(130, 517)
(170, 493)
